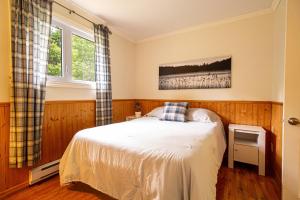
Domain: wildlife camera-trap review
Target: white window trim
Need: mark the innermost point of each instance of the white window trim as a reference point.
(72, 84)
(66, 79)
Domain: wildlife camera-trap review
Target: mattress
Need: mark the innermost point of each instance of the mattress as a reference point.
(147, 158)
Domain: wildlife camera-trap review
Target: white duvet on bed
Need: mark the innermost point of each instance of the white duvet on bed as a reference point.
(147, 159)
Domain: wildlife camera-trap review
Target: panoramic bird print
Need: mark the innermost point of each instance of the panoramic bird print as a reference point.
(200, 74)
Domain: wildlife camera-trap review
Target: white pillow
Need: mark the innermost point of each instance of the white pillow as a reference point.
(156, 112)
(202, 115)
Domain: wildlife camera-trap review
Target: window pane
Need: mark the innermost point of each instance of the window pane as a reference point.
(83, 59)
(55, 52)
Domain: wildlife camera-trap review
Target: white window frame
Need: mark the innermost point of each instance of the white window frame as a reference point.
(66, 79)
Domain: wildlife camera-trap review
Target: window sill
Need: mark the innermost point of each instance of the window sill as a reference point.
(71, 84)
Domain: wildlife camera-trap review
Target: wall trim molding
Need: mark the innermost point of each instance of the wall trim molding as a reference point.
(14, 189)
(194, 100)
(3, 104)
(92, 17)
(81, 101)
(68, 101)
(133, 40)
(209, 24)
(7, 103)
(277, 102)
(219, 101)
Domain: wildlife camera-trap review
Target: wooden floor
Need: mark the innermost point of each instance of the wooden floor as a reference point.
(238, 184)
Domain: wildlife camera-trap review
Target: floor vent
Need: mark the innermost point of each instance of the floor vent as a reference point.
(43, 172)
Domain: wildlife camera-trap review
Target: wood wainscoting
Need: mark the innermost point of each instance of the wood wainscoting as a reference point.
(122, 108)
(63, 119)
(240, 112)
(259, 113)
(256, 113)
(276, 140)
(11, 179)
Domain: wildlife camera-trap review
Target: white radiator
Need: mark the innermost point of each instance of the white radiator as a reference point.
(43, 172)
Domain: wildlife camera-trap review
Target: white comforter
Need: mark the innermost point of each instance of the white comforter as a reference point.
(147, 159)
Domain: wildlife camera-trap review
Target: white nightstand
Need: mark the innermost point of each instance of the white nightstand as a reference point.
(247, 144)
(131, 117)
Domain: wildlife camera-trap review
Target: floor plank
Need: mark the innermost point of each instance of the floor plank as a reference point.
(241, 183)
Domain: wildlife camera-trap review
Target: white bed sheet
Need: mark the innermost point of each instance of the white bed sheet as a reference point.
(147, 159)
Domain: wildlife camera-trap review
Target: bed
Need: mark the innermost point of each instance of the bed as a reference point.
(147, 158)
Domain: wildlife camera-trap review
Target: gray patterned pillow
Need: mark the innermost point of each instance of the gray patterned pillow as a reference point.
(175, 111)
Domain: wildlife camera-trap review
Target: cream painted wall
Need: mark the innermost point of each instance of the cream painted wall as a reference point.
(256, 45)
(4, 50)
(122, 68)
(122, 61)
(279, 52)
(249, 41)
(122, 53)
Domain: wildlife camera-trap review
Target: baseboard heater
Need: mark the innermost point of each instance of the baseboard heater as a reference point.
(42, 172)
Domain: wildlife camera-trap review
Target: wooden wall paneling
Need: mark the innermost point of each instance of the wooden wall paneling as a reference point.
(257, 113)
(117, 111)
(122, 108)
(51, 138)
(62, 119)
(52, 135)
(231, 114)
(47, 150)
(276, 140)
(241, 112)
(3, 137)
(11, 178)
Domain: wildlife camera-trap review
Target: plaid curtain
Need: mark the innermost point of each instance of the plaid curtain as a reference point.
(31, 23)
(103, 76)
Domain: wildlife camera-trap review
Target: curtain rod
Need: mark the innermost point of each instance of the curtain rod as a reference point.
(73, 12)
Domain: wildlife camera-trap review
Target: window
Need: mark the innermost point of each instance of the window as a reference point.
(71, 55)
(83, 59)
(55, 52)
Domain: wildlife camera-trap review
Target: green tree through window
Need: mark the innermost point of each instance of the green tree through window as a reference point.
(82, 66)
(83, 59)
(55, 52)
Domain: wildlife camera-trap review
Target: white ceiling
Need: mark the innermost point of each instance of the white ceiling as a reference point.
(141, 19)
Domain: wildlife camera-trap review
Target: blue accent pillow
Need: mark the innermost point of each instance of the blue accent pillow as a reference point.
(175, 111)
